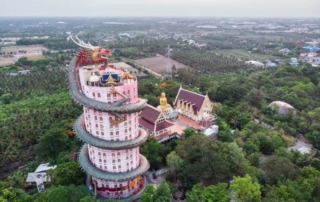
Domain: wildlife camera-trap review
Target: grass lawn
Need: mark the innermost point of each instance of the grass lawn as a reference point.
(244, 54)
(35, 57)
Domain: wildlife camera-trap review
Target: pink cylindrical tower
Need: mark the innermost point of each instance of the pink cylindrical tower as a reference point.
(109, 128)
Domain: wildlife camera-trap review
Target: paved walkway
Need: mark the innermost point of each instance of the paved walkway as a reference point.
(160, 176)
(301, 145)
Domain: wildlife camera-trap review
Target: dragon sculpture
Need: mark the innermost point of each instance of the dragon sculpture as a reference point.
(96, 55)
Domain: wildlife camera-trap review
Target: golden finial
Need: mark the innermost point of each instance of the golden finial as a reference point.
(127, 75)
(110, 79)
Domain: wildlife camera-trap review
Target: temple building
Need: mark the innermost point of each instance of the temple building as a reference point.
(108, 125)
(193, 105)
(153, 120)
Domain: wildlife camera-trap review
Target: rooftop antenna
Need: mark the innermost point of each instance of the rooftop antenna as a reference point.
(168, 73)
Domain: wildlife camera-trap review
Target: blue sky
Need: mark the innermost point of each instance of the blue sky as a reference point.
(179, 8)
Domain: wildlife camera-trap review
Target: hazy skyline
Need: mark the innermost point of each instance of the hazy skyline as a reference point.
(175, 8)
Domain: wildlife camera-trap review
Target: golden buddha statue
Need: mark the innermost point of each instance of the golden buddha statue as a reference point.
(163, 102)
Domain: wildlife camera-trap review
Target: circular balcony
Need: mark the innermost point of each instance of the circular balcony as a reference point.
(86, 137)
(117, 177)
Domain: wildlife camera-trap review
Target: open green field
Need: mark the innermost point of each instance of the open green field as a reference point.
(244, 54)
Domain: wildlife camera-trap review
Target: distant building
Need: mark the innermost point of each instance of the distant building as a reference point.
(271, 64)
(312, 54)
(212, 132)
(294, 62)
(284, 51)
(193, 105)
(39, 176)
(311, 48)
(255, 63)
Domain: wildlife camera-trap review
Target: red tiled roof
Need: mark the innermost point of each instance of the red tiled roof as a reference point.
(146, 124)
(191, 97)
(163, 125)
(151, 114)
(151, 126)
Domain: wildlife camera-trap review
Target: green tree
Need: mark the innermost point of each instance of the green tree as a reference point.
(6, 98)
(213, 193)
(188, 132)
(163, 193)
(277, 168)
(245, 189)
(69, 173)
(174, 162)
(152, 151)
(52, 143)
(58, 194)
(149, 194)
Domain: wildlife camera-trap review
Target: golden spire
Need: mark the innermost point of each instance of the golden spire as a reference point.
(127, 75)
(110, 79)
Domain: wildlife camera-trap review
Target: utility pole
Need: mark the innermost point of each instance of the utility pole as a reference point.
(168, 73)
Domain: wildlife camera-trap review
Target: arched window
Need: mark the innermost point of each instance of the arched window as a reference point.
(104, 154)
(93, 95)
(117, 133)
(113, 154)
(96, 125)
(102, 133)
(119, 166)
(125, 130)
(111, 133)
(113, 161)
(114, 94)
(99, 95)
(128, 92)
(119, 160)
(101, 126)
(101, 118)
(118, 153)
(95, 118)
(129, 129)
(126, 138)
(108, 95)
(99, 153)
(117, 139)
(114, 167)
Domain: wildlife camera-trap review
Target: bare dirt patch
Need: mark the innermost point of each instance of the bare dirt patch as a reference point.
(6, 61)
(32, 52)
(158, 64)
(29, 49)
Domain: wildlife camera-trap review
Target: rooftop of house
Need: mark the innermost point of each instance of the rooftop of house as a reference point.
(190, 97)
